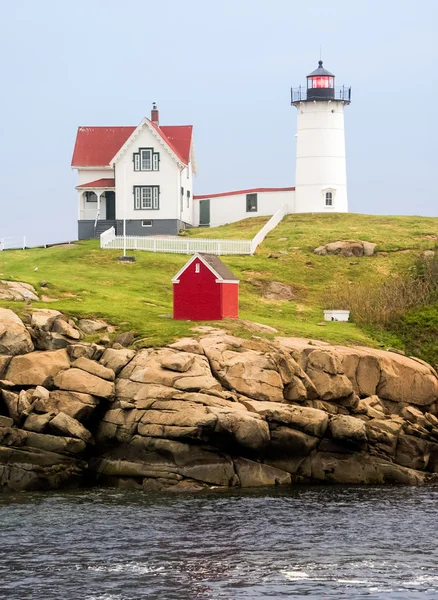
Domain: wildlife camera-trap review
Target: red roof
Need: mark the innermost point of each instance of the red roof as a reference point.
(96, 146)
(252, 191)
(99, 183)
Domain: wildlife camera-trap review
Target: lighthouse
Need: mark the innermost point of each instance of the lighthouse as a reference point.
(321, 176)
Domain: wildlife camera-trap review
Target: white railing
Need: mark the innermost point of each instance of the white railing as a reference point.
(270, 225)
(175, 245)
(9, 243)
(180, 245)
(107, 237)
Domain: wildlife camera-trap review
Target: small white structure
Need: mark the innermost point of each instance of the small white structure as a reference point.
(321, 174)
(336, 315)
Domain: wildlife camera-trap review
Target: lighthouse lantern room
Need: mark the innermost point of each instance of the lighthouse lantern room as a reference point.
(321, 177)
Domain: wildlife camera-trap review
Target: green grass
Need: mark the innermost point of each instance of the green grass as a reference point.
(87, 281)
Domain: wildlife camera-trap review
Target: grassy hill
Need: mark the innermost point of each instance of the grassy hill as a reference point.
(84, 280)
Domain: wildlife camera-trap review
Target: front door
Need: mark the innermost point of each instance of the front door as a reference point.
(204, 213)
(110, 206)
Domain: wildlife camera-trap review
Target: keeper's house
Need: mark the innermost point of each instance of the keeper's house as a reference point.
(139, 174)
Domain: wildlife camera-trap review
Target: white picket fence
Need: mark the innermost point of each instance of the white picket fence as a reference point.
(180, 245)
(9, 243)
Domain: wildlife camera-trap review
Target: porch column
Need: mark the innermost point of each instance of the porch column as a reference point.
(98, 193)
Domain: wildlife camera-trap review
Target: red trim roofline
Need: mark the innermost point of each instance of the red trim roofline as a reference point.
(251, 191)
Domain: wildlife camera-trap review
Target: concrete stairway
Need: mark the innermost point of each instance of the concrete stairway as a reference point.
(102, 226)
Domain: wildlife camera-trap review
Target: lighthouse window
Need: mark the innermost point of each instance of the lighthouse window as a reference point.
(329, 198)
(251, 202)
(320, 82)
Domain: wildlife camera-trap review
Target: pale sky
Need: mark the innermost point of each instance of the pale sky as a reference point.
(226, 67)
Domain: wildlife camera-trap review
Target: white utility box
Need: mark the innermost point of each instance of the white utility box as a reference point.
(336, 315)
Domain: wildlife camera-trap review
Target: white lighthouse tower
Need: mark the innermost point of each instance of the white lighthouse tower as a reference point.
(321, 176)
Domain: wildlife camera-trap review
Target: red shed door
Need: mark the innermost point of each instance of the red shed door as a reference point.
(197, 296)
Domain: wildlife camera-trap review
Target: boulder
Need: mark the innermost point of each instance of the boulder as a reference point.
(250, 373)
(90, 366)
(90, 326)
(116, 359)
(83, 349)
(4, 363)
(244, 428)
(255, 474)
(14, 337)
(37, 423)
(187, 345)
(54, 443)
(412, 452)
(147, 367)
(202, 464)
(70, 427)
(125, 339)
(18, 405)
(76, 380)
(35, 368)
(43, 318)
(180, 363)
(330, 387)
(74, 404)
(347, 248)
(31, 469)
(310, 420)
(61, 326)
(17, 291)
(348, 429)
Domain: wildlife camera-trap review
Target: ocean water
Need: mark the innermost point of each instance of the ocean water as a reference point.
(307, 542)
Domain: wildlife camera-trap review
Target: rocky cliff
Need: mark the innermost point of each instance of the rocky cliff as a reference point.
(214, 411)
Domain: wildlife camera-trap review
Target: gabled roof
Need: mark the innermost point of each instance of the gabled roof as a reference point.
(99, 183)
(95, 146)
(98, 146)
(213, 263)
(178, 137)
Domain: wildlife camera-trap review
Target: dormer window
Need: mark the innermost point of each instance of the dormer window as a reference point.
(146, 160)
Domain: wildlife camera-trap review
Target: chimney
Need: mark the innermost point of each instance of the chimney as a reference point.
(155, 118)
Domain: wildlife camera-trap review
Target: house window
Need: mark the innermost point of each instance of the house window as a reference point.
(147, 223)
(197, 268)
(329, 198)
(146, 160)
(146, 197)
(251, 202)
(182, 198)
(90, 197)
(188, 198)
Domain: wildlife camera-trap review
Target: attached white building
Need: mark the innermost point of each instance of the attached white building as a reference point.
(143, 176)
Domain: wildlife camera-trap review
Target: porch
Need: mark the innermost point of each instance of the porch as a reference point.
(97, 207)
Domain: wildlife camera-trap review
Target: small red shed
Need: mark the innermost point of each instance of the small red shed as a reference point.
(205, 290)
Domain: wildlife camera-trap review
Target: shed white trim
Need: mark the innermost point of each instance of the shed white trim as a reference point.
(219, 279)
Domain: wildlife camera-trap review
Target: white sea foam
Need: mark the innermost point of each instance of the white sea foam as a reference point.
(105, 597)
(138, 568)
(295, 575)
